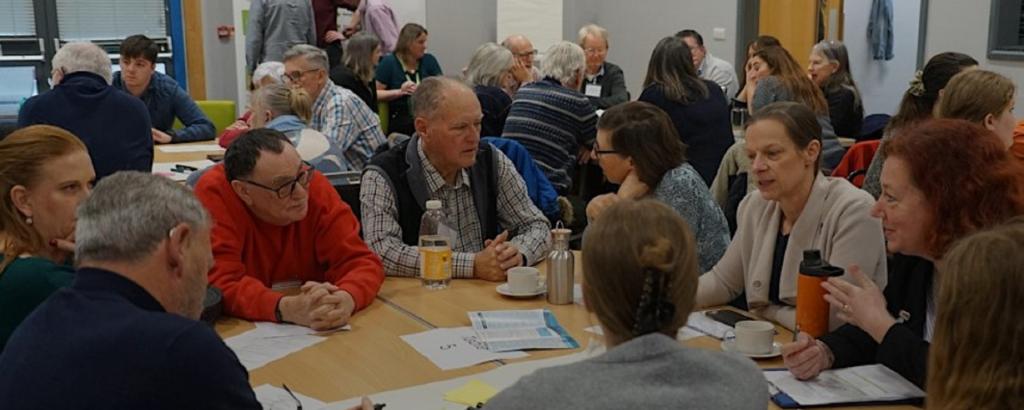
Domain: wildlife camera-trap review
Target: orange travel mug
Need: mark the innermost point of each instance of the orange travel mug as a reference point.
(811, 306)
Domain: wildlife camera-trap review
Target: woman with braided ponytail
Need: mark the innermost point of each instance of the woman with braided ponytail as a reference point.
(640, 281)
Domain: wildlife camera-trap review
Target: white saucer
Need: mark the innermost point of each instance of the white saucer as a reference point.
(503, 289)
(730, 346)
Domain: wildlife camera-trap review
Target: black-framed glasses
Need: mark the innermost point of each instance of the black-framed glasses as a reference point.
(598, 151)
(530, 53)
(295, 76)
(286, 189)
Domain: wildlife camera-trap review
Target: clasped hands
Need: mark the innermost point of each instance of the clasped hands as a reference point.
(498, 256)
(320, 306)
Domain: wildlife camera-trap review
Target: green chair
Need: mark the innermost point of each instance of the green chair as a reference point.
(220, 112)
(382, 112)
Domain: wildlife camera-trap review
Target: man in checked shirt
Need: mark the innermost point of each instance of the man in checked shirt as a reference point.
(496, 226)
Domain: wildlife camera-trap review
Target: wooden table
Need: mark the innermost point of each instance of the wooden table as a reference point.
(372, 358)
(160, 156)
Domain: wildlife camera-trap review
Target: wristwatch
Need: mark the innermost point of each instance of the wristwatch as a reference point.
(277, 312)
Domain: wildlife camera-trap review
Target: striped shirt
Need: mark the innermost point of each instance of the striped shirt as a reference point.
(552, 122)
(348, 123)
(516, 213)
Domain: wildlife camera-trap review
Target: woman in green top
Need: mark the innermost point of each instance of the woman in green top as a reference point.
(398, 75)
(45, 172)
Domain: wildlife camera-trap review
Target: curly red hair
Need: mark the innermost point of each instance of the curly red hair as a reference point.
(968, 178)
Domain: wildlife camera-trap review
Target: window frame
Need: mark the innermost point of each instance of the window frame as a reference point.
(998, 51)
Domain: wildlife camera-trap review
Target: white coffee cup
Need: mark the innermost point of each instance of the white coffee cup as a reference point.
(754, 336)
(523, 279)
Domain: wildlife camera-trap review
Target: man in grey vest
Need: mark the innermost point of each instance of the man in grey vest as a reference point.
(495, 225)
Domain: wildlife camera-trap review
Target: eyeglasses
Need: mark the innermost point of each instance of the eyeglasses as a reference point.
(295, 76)
(288, 188)
(598, 151)
(593, 51)
(530, 53)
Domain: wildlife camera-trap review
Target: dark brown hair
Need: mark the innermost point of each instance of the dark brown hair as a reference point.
(919, 100)
(139, 46)
(631, 243)
(794, 78)
(22, 157)
(671, 67)
(644, 132)
(965, 174)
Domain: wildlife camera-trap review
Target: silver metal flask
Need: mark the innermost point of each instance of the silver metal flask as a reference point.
(560, 267)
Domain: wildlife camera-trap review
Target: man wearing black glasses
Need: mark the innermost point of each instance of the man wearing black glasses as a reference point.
(280, 225)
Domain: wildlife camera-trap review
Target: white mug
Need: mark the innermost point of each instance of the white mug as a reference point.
(523, 279)
(754, 336)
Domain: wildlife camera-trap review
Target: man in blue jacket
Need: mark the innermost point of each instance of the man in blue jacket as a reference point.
(162, 95)
(113, 125)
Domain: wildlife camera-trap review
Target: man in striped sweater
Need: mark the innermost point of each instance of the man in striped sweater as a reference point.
(553, 120)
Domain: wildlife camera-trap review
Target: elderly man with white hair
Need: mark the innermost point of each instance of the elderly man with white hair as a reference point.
(553, 120)
(337, 112)
(114, 126)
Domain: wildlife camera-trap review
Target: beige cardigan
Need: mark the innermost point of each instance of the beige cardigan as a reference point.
(835, 220)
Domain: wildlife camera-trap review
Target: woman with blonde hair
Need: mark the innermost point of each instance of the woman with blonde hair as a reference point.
(981, 97)
(45, 172)
(286, 109)
(640, 279)
(399, 73)
(976, 360)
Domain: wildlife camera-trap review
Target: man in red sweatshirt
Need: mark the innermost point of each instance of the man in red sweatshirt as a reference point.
(280, 224)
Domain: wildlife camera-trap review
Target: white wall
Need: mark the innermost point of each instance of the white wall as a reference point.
(636, 27)
(882, 83)
(457, 28)
(219, 55)
(955, 25)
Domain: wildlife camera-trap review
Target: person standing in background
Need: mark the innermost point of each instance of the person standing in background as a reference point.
(375, 17)
(274, 27)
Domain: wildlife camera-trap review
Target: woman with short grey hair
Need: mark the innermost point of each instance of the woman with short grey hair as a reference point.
(490, 74)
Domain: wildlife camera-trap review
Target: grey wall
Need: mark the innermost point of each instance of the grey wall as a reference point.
(635, 27)
(955, 25)
(882, 83)
(219, 55)
(457, 28)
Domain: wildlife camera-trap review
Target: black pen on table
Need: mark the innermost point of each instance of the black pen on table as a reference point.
(298, 403)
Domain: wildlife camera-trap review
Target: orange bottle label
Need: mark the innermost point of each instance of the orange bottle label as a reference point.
(436, 264)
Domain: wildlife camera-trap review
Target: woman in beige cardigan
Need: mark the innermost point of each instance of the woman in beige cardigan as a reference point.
(795, 208)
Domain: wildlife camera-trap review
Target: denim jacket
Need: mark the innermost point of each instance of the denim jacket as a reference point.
(165, 101)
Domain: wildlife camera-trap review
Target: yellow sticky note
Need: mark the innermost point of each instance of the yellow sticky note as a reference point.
(471, 393)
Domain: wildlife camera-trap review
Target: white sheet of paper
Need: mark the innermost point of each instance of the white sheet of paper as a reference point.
(275, 398)
(174, 149)
(702, 323)
(507, 319)
(850, 385)
(453, 348)
(431, 395)
(265, 344)
(686, 333)
(595, 329)
(271, 329)
(165, 168)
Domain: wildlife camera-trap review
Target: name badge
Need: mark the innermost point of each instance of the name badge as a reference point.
(593, 90)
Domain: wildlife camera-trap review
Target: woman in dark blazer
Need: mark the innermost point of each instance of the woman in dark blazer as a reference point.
(921, 217)
(604, 84)
(698, 108)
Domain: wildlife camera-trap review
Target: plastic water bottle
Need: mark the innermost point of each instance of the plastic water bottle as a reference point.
(435, 247)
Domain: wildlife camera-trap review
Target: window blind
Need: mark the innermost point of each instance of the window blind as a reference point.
(110, 19)
(17, 18)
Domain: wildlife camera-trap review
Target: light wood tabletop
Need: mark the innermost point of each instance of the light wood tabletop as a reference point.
(372, 358)
(161, 156)
(368, 359)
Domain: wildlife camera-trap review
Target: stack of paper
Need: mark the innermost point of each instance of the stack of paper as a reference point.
(452, 348)
(861, 384)
(272, 341)
(504, 330)
(700, 322)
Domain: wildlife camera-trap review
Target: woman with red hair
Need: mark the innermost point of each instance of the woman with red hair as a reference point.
(942, 180)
